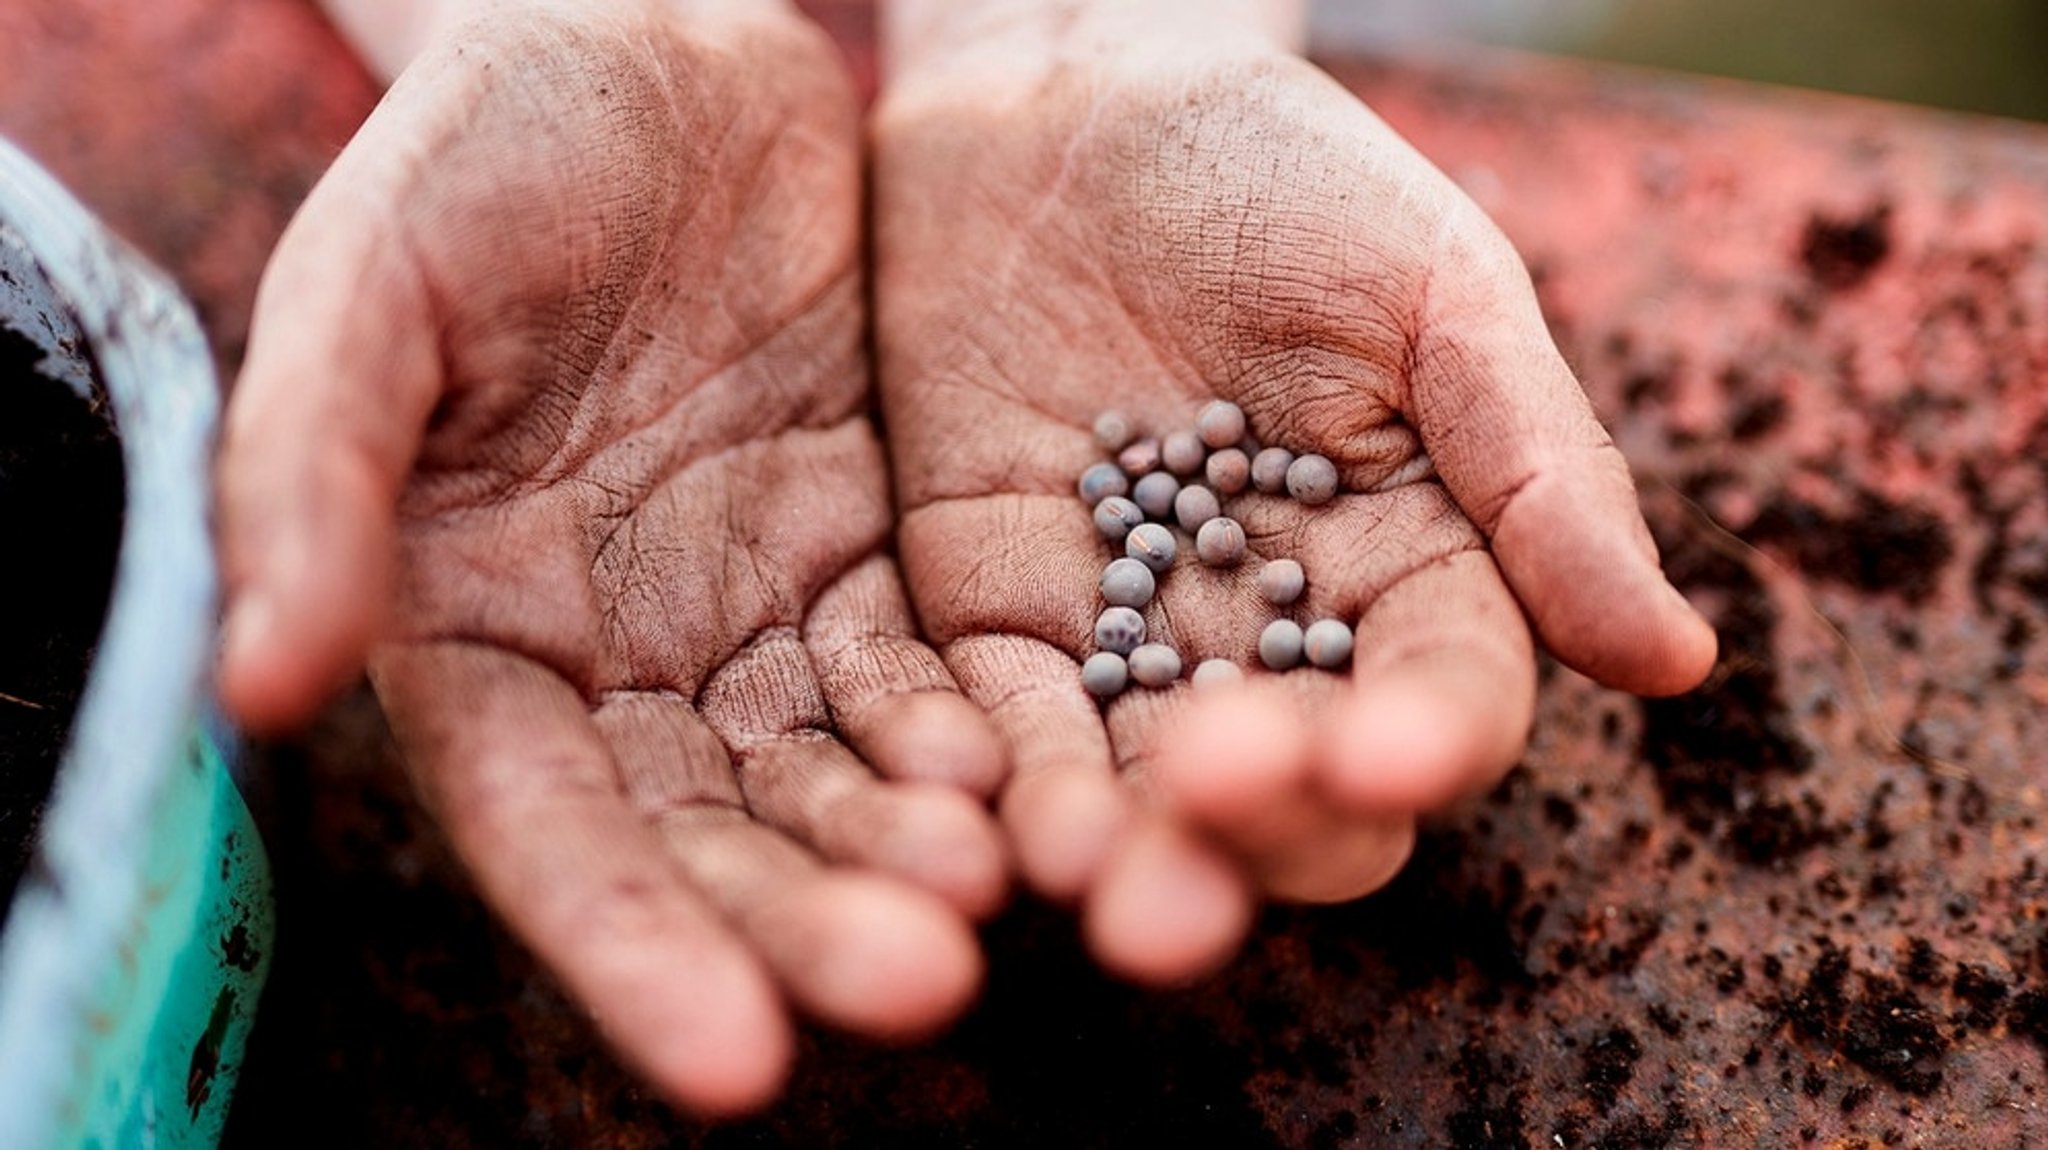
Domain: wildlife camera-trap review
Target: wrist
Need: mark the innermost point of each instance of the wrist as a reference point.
(989, 41)
(389, 34)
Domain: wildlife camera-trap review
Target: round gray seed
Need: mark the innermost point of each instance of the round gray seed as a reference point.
(1312, 480)
(1217, 673)
(1269, 469)
(1104, 674)
(1115, 516)
(1127, 583)
(1220, 542)
(1281, 581)
(1139, 458)
(1119, 629)
(1182, 452)
(1152, 545)
(1155, 494)
(1113, 430)
(1220, 424)
(1280, 644)
(1101, 481)
(1229, 471)
(1194, 506)
(1155, 665)
(1327, 643)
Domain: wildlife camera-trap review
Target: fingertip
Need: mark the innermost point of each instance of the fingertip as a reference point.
(1405, 745)
(273, 679)
(1691, 650)
(724, 1052)
(872, 956)
(1167, 908)
(1063, 823)
(1233, 753)
(1342, 864)
(937, 737)
(947, 844)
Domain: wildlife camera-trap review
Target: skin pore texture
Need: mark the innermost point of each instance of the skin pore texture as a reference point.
(557, 418)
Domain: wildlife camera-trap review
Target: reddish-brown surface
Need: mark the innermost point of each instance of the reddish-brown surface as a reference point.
(1803, 907)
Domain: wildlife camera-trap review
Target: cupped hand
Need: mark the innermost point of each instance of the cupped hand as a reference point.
(1149, 223)
(573, 332)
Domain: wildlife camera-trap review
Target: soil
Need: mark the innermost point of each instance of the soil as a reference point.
(60, 513)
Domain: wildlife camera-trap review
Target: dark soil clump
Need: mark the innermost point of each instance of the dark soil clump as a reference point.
(60, 515)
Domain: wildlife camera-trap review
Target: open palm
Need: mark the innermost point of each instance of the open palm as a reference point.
(1113, 235)
(574, 329)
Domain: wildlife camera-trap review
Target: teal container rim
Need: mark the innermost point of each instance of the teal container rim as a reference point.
(147, 694)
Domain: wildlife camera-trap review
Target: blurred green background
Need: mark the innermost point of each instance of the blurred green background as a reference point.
(1978, 55)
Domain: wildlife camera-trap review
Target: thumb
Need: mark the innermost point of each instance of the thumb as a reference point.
(1517, 444)
(342, 372)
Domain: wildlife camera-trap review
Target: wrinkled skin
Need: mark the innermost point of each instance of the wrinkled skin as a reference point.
(1147, 234)
(573, 331)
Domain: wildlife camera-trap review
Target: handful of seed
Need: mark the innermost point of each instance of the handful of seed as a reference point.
(1182, 479)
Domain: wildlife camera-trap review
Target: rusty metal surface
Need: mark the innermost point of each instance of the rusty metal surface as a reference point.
(1803, 907)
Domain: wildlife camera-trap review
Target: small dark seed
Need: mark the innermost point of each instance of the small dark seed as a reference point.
(1194, 506)
(1312, 480)
(1220, 424)
(1104, 674)
(1281, 581)
(1139, 458)
(1155, 665)
(1280, 644)
(1229, 471)
(1155, 494)
(1115, 516)
(1113, 430)
(1127, 583)
(1152, 545)
(1269, 469)
(1327, 643)
(1220, 542)
(1101, 481)
(1119, 629)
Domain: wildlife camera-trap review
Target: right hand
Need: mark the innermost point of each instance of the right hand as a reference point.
(574, 330)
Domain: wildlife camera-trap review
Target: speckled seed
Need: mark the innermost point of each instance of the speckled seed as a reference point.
(1194, 506)
(1217, 673)
(1228, 471)
(1312, 480)
(1220, 424)
(1327, 643)
(1155, 665)
(1152, 545)
(1113, 430)
(1269, 469)
(1155, 493)
(1104, 674)
(1101, 481)
(1220, 542)
(1115, 516)
(1281, 581)
(1182, 452)
(1119, 629)
(1127, 583)
(1139, 458)
(1280, 644)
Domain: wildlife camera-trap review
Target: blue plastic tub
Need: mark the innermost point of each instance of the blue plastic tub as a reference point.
(135, 950)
